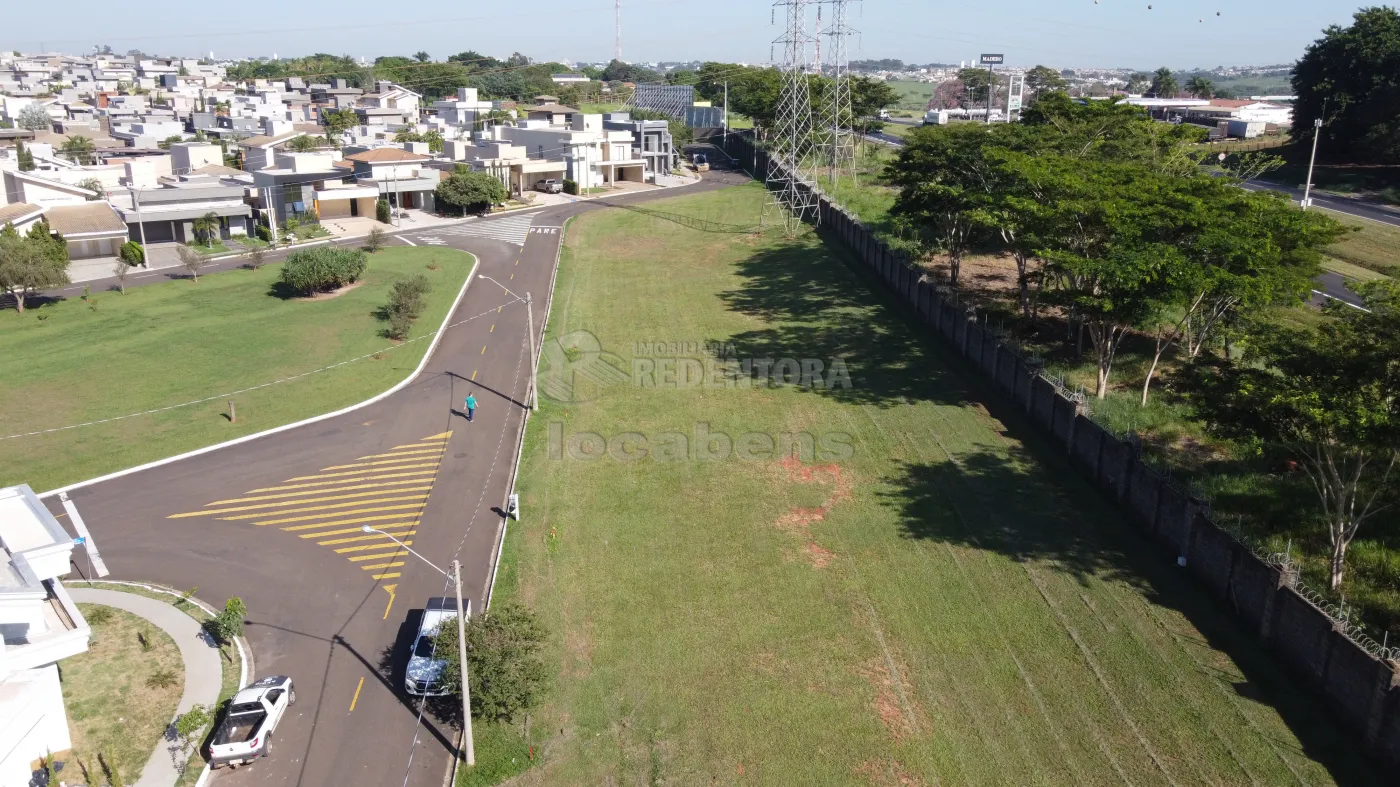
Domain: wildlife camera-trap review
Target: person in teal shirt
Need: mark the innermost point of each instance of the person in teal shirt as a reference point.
(470, 405)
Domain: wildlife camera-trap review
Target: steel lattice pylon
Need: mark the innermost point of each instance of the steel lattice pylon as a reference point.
(835, 134)
(790, 181)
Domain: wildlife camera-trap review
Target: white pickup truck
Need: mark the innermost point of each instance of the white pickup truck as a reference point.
(254, 713)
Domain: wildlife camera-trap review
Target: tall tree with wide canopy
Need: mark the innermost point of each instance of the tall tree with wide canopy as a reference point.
(1164, 84)
(1354, 72)
(1328, 396)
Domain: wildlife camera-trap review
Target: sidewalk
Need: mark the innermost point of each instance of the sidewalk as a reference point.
(203, 669)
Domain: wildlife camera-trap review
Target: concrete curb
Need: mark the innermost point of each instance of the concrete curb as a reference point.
(200, 662)
(476, 263)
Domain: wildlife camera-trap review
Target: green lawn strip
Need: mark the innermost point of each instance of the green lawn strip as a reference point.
(1371, 245)
(913, 96)
(173, 342)
(211, 248)
(250, 242)
(229, 658)
(958, 612)
(1353, 271)
(502, 752)
(112, 709)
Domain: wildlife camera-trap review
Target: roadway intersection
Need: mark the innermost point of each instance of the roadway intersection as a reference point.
(277, 520)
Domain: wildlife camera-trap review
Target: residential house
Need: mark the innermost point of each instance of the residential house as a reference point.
(39, 627)
(91, 229)
(464, 110)
(167, 212)
(20, 215)
(259, 152)
(337, 94)
(590, 155)
(388, 105)
(45, 192)
(651, 140)
(315, 184)
(403, 177)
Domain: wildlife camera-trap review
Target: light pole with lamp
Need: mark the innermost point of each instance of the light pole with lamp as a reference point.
(469, 749)
(1317, 132)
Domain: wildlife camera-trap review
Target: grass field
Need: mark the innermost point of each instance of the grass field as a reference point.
(941, 603)
(159, 345)
(112, 709)
(1372, 245)
(913, 96)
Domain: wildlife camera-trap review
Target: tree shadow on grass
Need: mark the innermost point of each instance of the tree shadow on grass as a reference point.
(986, 500)
(816, 307)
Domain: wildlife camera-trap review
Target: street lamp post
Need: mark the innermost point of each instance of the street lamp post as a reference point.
(469, 748)
(530, 331)
(1307, 190)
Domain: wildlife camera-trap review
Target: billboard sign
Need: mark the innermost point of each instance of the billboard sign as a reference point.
(993, 60)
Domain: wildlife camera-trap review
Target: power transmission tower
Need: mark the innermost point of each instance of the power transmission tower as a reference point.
(791, 187)
(617, 33)
(835, 127)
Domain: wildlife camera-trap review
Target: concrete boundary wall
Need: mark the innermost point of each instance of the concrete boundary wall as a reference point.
(1363, 691)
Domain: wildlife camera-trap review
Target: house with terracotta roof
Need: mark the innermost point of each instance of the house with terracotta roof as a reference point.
(91, 229)
(405, 178)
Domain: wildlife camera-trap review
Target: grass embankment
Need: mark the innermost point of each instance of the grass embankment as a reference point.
(114, 706)
(229, 659)
(913, 96)
(1369, 245)
(937, 605)
(159, 345)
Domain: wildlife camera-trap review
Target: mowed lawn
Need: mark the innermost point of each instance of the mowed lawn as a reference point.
(945, 605)
(77, 361)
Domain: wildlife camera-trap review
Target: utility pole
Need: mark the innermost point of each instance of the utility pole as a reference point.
(534, 360)
(1317, 132)
(726, 117)
(617, 34)
(271, 215)
(140, 225)
(468, 744)
(991, 89)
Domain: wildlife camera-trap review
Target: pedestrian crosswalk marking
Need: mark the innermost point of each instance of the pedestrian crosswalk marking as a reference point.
(388, 492)
(511, 229)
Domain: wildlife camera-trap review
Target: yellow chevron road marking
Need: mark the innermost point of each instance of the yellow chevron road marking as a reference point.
(357, 472)
(296, 503)
(382, 485)
(385, 576)
(330, 507)
(437, 450)
(344, 481)
(382, 565)
(372, 464)
(356, 521)
(367, 546)
(386, 555)
(399, 534)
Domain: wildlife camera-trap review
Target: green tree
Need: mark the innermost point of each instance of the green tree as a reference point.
(976, 82)
(34, 117)
(340, 120)
(305, 143)
(30, 264)
(466, 190)
(941, 175)
(868, 97)
(99, 191)
(382, 213)
(173, 139)
(206, 228)
(1164, 84)
(618, 71)
(78, 148)
(1042, 79)
(421, 56)
(1330, 397)
(1354, 73)
(228, 624)
(507, 672)
(308, 271)
(434, 140)
(1140, 82)
(1200, 87)
(25, 156)
(132, 254)
(190, 725)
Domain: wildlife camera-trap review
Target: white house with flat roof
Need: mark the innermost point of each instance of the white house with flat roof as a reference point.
(40, 625)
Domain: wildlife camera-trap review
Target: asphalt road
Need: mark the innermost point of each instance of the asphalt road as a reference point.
(277, 521)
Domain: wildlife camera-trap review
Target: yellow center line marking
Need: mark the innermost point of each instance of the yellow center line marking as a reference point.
(473, 374)
(302, 502)
(483, 349)
(357, 472)
(512, 275)
(381, 485)
(381, 462)
(493, 329)
(385, 556)
(433, 450)
(330, 508)
(317, 526)
(366, 546)
(356, 698)
(343, 481)
(384, 576)
(390, 605)
(399, 534)
(382, 565)
(498, 309)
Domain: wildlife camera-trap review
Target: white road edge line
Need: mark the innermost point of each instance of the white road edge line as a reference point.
(476, 264)
(405, 239)
(1339, 300)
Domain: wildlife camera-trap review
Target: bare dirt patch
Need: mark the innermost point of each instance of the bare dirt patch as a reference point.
(892, 703)
(888, 773)
(798, 520)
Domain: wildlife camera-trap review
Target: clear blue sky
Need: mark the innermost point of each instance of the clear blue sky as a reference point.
(1062, 33)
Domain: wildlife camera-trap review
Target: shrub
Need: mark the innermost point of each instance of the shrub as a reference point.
(507, 673)
(264, 233)
(375, 240)
(114, 777)
(131, 253)
(407, 295)
(400, 324)
(228, 624)
(570, 187)
(161, 678)
(98, 615)
(381, 211)
(191, 723)
(323, 268)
